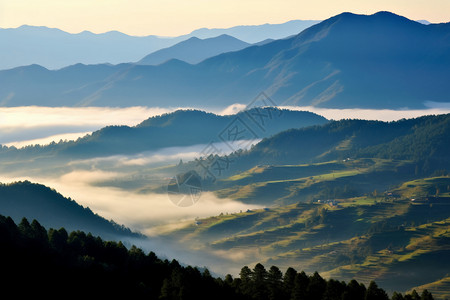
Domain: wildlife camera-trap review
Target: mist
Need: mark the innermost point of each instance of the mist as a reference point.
(27, 125)
(22, 126)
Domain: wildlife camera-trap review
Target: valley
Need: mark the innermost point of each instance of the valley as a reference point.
(283, 161)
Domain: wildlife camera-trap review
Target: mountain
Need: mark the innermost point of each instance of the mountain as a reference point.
(35, 201)
(381, 236)
(195, 50)
(257, 33)
(347, 158)
(377, 61)
(53, 48)
(425, 140)
(177, 129)
(350, 199)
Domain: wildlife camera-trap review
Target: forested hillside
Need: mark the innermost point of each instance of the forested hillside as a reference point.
(56, 263)
(36, 201)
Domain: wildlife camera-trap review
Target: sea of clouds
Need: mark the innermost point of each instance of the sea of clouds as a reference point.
(22, 126)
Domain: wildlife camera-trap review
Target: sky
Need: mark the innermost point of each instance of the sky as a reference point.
(177, 17)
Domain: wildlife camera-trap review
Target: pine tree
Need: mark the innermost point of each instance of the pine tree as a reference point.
(275, 283)
(259, 279)
(397, 296)
(354, 291)
(300, 286)
(246, 280)
(426, 295)
(316, 287)
(289, 282)
(375, 293)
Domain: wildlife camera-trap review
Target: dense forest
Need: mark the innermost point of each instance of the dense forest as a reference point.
(55, 263)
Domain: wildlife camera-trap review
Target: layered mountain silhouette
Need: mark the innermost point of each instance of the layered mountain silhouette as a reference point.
(377, 61)
(35, 201)
(195, 50)
(54, 48)
(424, 140)
(177, 129)
(257, 33)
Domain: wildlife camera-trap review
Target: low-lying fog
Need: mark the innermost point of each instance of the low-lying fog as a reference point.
(21, 126)
(108, 185)
(132, 190)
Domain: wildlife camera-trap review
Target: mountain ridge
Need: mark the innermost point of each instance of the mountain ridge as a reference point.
(346, 61)
(24, 199)
(176, 129)
(54, 48)
(195, 50)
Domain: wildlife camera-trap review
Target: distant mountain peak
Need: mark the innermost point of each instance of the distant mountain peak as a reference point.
(194, 38)
(195, 50)
(381, 60)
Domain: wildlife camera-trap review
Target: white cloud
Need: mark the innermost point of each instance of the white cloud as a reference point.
(371, 114)
(21, 126)
(232, 109)
(37, 124)
(48, 140)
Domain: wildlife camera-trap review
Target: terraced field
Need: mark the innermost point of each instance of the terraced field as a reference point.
(397, 237)
(293, 183)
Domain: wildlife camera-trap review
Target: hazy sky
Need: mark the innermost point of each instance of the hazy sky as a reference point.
(176, 17)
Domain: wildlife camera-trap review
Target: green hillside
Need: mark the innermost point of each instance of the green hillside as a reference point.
(440, 288)
(386, 236)
(423, 140)
(283, 184)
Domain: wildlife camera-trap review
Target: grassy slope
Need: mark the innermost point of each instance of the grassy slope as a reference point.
(387, 237)
(440, 288)
(293, 183)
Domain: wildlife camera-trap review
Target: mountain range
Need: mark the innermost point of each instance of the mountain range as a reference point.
(256, 33)
(178, 129)
(376, 61)
(195, 50)
(276, 170)
(54, 48)
(350, 198)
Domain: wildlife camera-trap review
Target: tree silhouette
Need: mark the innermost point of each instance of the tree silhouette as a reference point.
(107, 269)
(375, 293)
(275, 283)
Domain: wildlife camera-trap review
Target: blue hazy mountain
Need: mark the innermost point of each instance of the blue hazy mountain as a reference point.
(376, 61)
(54, 48)
(195, 50)
(257, 33)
